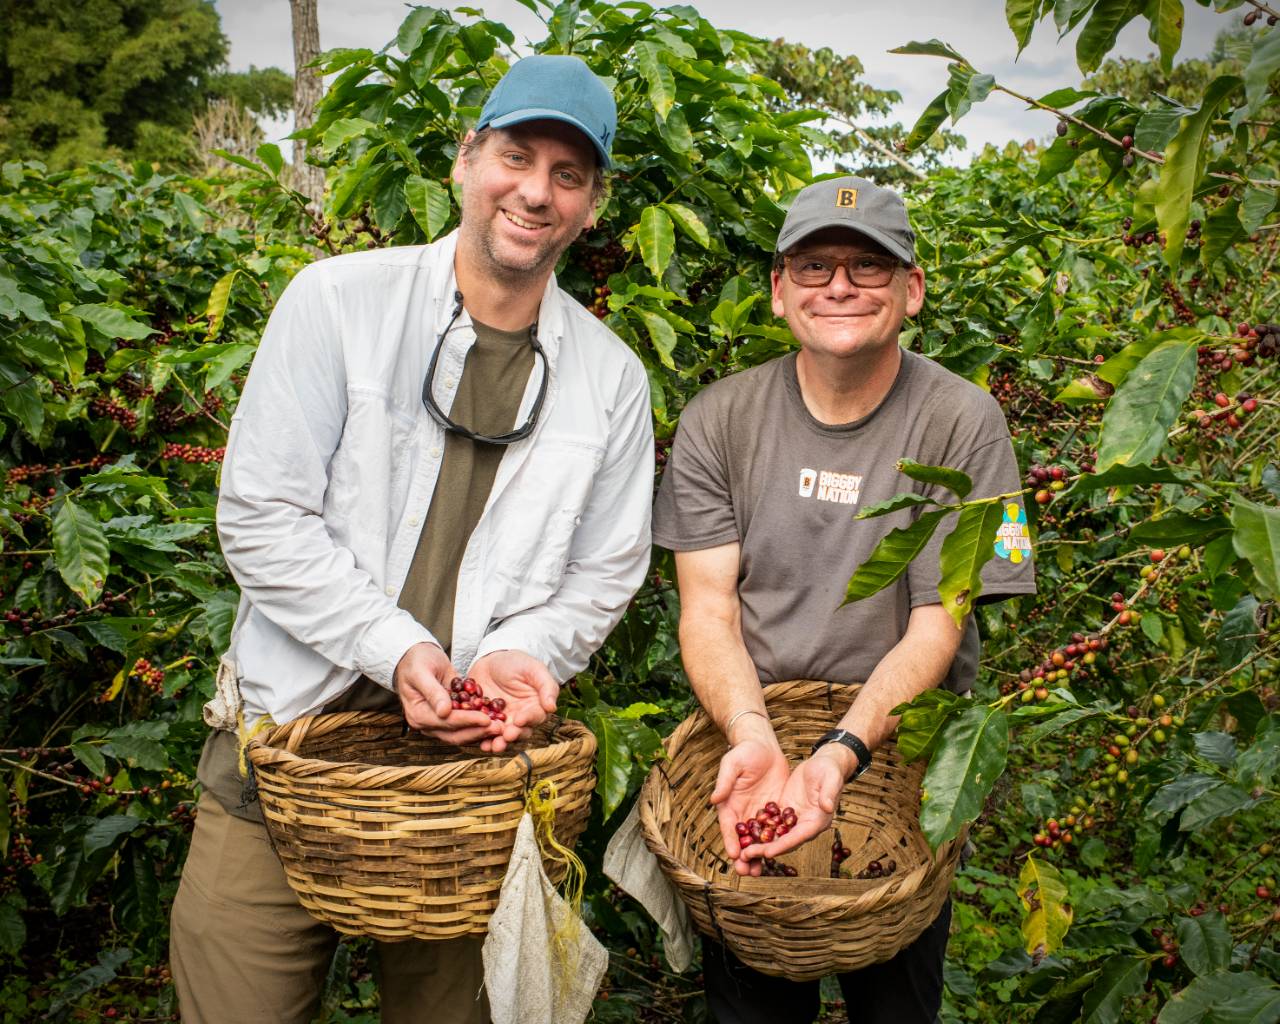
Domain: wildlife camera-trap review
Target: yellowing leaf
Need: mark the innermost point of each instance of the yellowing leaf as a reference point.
(1044, 899)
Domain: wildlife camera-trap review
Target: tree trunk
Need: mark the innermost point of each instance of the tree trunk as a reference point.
(307, 88)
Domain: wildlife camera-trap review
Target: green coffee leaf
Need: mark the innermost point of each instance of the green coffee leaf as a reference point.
(1166, 30)
(661, 333)
(930, 48)
(1137, 421)
(1205, 942)
(1099, 34)
(1232, 997)
(1254, 208)
(965, 551)
(928, 122)
(967, 760)
(13, 929)
(1021, 16)
(921, 722)
(1179, 528)
(1122, 476)
(107, 832)
(1263, 63)
(429, 203)
(111, 321)
(894, 504)
(1257, 539)
(891, 556)
(1122, 977)
(952, 479)
(689, 222)
(1184, 163)
(80, 550)
(657, 239)
(966, 88)
(1239, 633)
(343, 131)
(660, 79)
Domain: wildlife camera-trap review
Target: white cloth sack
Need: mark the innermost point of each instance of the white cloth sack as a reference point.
(631, 864)
(521, 961)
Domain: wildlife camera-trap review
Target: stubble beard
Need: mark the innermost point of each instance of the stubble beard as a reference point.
(510, 267)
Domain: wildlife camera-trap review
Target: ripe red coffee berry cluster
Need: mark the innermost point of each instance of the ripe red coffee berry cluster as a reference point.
(109, 408)
(771, 822)
(877, 870)
(151, 676)
(839, 854)
(192, 453)
(466, 696)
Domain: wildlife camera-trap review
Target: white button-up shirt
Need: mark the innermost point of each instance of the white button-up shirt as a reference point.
(332, 460)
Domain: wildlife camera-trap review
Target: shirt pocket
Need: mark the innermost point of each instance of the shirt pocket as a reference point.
(537, 515)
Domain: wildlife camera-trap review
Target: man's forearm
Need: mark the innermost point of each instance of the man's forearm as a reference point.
(722, 674)
(918, 662)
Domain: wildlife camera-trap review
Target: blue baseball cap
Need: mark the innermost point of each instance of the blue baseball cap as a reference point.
(557, 88)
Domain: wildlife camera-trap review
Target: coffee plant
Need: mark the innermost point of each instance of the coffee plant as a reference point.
(1112, 288)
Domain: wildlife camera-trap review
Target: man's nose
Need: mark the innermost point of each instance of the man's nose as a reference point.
(535, 188)
(841, 283)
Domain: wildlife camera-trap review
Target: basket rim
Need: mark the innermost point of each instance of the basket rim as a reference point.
(891, 892)
(270, 751)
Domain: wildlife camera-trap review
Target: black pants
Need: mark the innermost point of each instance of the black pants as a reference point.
(904, 990)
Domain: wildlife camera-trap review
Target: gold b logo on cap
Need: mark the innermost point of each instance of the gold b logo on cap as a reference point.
(847, 197)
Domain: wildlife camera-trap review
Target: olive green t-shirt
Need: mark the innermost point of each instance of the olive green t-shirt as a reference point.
(493, 381)
(751, 464)
(488, 398)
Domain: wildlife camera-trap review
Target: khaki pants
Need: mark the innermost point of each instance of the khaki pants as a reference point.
(243, 950)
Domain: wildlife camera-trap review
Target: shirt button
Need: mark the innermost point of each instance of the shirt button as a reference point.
(448, 382)
(413, 520)
(435, 453)
(390, 591)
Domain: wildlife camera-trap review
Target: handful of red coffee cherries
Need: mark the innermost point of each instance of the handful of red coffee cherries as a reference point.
(467, 696)
(770, 822)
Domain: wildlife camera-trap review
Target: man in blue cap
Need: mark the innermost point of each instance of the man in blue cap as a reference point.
(441, 466)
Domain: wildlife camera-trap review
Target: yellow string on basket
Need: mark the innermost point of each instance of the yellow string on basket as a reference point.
(247, 735)
(541, 804)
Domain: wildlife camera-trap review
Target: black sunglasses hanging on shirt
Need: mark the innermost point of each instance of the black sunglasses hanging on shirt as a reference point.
(438, 414)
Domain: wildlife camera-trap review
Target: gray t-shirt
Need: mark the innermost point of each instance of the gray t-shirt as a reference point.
(751, 464)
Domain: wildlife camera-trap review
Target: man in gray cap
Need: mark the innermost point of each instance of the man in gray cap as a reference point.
(758, 499)
(441, 465)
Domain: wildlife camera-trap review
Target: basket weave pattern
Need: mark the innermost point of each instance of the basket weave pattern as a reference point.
(811, 925)
(386, 832)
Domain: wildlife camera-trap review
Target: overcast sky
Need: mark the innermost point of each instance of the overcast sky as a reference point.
(259, 31)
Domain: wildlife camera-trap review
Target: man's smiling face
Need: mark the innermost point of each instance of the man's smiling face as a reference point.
(527, 193)
(841, 319)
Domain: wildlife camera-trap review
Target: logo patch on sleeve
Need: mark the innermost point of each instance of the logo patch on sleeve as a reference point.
(1013, 539)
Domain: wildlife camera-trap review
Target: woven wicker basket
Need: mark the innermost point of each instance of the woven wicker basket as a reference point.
(388, 833)
(811, 925)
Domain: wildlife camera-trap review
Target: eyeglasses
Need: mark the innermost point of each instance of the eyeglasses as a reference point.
(438, 414)
(865, 270)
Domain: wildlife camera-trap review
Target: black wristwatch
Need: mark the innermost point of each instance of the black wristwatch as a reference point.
(847, 739)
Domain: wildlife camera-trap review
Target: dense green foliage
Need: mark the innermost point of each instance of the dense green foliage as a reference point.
(81, 79)
(1096, 286)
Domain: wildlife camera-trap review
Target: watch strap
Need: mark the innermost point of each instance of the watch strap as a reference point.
(847, 739)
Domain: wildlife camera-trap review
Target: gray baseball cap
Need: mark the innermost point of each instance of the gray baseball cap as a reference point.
(854, 203)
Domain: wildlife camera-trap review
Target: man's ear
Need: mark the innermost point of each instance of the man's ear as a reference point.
(775, 279)
(460, 163)
(915, 290)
